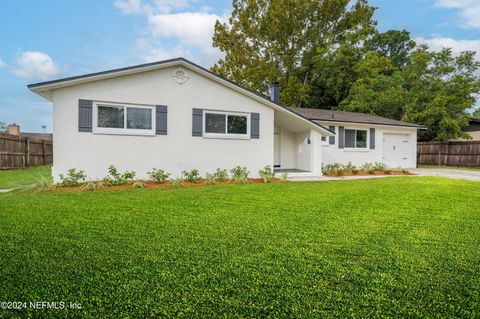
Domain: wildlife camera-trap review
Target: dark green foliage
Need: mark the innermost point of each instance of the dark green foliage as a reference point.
(403, 247)
(267, 174)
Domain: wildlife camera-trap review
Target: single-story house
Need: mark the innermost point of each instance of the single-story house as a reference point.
(176, 115)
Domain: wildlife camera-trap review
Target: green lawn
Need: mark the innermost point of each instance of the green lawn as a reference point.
(22, 177)
(388, 248)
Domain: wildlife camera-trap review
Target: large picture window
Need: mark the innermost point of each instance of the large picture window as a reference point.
(224, 124)
(355, 138)
(122, 119)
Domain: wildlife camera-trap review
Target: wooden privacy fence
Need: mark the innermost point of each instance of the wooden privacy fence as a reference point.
(461, 153)
(18, 152)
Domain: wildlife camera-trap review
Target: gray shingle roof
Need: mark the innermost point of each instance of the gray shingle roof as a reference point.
(320, 115)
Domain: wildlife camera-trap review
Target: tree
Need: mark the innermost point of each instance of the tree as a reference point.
(393, 44)
(441, 91)
(333, 74)
(378, 90)
(275, 41)
(3, 126)
(476, 112)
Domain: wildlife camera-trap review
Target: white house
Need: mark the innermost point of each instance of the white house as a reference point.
(176, 115)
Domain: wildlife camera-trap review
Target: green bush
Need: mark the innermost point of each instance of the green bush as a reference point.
(158, 175)
(221, 175)
(44, 184)
(333, 168)
(116, 178)
(177, 182)
(210, 179)
(72, 178)
(138, 184)
(367, 167)
(267, 174)
(192, 176)
(240, 174)
(377, 166)
(284, 177)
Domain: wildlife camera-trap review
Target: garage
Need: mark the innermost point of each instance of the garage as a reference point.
(395, 149)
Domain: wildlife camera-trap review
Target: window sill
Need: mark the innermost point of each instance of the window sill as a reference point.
(225, 137)
(124, 133)
(356, 150)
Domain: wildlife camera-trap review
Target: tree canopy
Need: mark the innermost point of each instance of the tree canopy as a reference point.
(328, 54)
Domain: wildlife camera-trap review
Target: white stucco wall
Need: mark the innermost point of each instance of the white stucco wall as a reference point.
(332, 154)
(174, 152)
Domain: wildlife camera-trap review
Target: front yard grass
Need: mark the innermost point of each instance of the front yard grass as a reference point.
(387, 248)
(19, 178)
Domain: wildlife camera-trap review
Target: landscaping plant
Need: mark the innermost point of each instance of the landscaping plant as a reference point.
(116, 178)
(240, 174)
(221, 175)
(72, 178)
(158, 175)
(191, 176)
(267, 174)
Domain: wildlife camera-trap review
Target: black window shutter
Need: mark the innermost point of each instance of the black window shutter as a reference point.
(341, 137)
(161, 119)
(255, 125)
(85, 115)
(372, 138)
(331, 139)
(197, 122)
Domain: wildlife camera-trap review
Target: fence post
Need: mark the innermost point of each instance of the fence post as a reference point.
(44, 151)
(27, 153)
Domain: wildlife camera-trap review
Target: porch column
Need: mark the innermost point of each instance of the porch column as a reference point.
(316, 152)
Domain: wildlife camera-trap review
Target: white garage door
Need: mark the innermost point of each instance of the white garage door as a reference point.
(395, 150)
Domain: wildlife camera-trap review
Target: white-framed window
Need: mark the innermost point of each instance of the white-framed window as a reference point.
(218, 124)
(357, 139)
(129, 119)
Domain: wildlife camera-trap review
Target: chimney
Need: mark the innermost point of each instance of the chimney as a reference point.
(275, 92)
(13, 129)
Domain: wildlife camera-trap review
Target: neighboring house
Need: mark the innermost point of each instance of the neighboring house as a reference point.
(176, 115)
(473, 129)
(14, 129)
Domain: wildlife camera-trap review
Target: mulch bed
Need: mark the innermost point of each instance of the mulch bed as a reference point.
(155, 185)
(366, 173)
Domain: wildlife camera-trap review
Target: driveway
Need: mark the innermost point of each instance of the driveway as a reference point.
(449, 173)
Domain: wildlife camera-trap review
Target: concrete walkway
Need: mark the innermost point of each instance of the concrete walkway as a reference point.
(440, 172)
(449, 173)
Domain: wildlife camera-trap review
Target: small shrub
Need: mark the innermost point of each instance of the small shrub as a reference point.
(267, 174)
(210, 179)
(240, 174)
(138, 184)
(221, 175)
(284, 177)
(89, 186)
(72, 178)
(377, 166)
(367, 167)
(44, 184)
(192, 176)
(350, 167)
(158, 175)
(332, 169)
(116, 178)
(177, 182)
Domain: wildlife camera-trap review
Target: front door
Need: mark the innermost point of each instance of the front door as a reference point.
(276, 147)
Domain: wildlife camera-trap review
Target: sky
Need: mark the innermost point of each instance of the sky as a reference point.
(50, 39)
